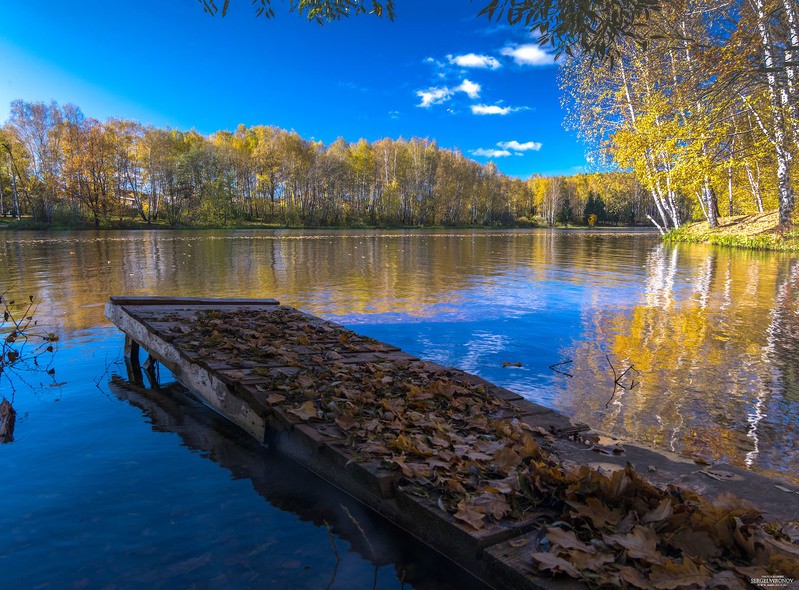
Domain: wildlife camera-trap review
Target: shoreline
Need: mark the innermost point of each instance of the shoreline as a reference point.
(759, 231)
(136, 226)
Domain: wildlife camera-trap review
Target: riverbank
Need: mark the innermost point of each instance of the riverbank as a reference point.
(756, 232)
(27, 224)
(135, 224)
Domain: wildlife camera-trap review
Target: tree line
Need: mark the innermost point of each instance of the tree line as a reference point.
(62, 168)
(706, 112)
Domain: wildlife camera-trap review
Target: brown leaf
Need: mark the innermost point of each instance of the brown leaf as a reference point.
(455, 485)
(679, 574)
(346, 422)
(306, 411)
(635, 578)
(640, 543)
(305, 381)
(694, 543)
(589, 562)
(275, 398)
(567, 540)
(494, 504)
(595, 511)
(474, 516)
(555, 564)
(506, 459)
(662, 511)
(726, 580)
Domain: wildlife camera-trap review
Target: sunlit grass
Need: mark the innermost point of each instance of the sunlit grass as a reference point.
(755, 232)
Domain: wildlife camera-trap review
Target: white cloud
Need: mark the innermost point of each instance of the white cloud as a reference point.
(529, 55)
(520, 147)
(434, 95)
(490, 109)
(441, 94)
(490, 153)
(472, 89)
(473, 60)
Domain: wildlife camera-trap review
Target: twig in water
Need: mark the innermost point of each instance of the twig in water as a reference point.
(360, 529)
(560, 365)
(338, 557)
(617, 384)
(332, 542)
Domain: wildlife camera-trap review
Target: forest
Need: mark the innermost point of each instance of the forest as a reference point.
(61, 168)
(703, 108)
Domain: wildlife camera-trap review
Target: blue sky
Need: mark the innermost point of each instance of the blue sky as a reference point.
(438, 71)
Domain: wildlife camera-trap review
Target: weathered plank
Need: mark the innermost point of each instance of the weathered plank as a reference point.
(191, 375)
(167, 300)
(246, 389)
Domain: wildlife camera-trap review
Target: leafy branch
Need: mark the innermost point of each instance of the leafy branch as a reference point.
(318, 11)
(19, 354)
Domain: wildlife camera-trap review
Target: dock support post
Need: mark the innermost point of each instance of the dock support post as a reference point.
(151, 370)
(132, 361)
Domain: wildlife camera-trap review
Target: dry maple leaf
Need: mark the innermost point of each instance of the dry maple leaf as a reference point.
(305, 412)
(474, 516)
(568, 540)
(672, 574)
(274, 399)
(597, 513)
(553, 563)
(640, 543)
(662, 511)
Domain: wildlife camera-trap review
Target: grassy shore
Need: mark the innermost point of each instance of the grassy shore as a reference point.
(759, 231)
(135, 224)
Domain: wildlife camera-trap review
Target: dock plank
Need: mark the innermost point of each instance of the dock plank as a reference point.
(260, 364)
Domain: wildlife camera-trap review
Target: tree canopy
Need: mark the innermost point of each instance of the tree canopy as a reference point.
(569, 26)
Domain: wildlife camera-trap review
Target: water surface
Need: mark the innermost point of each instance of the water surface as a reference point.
(98, 493)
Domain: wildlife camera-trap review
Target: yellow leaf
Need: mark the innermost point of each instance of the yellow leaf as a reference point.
(305, 412)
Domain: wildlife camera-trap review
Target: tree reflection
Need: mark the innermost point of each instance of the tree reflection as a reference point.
(714, 332)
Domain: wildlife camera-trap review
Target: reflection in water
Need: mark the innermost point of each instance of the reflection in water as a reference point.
(94, 498)
(714, 335)
(713, 331)
(289, 487)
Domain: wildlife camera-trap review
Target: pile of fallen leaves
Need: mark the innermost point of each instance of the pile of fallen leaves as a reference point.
(469, 452)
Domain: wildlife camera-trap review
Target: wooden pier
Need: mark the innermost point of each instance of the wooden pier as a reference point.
(463, 465)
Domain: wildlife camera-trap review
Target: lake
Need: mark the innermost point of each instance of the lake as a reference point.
(105, 487)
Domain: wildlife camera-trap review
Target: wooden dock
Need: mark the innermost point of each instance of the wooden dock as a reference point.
(463, 465)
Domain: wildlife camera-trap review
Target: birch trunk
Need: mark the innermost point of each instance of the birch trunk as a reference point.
(778, 99)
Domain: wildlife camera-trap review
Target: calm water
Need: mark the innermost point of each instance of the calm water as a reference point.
(104, 487)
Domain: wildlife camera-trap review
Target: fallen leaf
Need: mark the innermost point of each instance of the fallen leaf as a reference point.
(555, 564)
(346, 422)
(305, 412)
(694, 543)
(474, 516)
(640, 543)
(567, 540)
(679, 574)
(597, 513)
(635, 578)
(662, 511)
